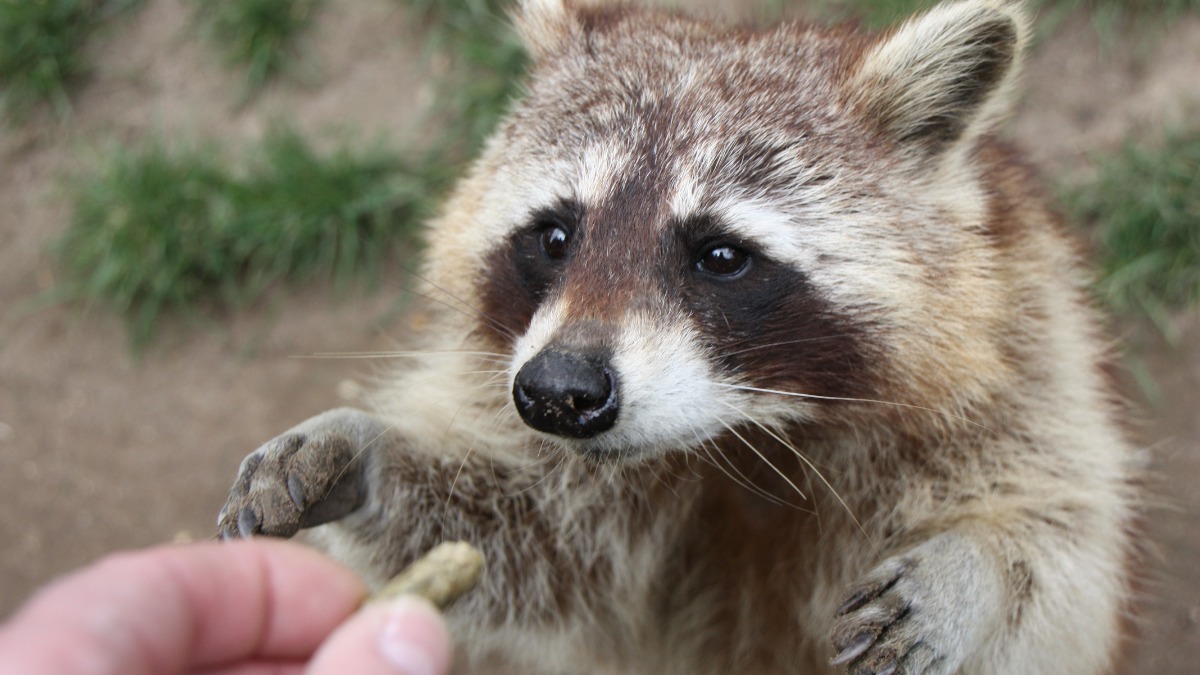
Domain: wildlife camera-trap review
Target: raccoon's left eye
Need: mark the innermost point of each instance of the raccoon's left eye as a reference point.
(724, 260)
(555, 241)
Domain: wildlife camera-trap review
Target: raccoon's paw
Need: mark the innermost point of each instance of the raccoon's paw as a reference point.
(916, 614)
(306, 477)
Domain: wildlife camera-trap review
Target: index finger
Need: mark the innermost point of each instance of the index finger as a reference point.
(168, 609)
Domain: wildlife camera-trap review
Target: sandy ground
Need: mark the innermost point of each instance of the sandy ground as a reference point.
(100, 450)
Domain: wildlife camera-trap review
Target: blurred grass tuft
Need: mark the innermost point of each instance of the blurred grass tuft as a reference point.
(262, 36)
(160, 229)
(484, 63)
(1145, 207)
(41, 50)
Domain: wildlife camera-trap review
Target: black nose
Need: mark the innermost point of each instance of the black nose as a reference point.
(567, 394)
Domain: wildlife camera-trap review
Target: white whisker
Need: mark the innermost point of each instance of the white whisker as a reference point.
(741, 479)
(813, 467)
(778, 344)
(766, 461)
(454, 483)
(494, 356)
(761, 390)
(466, 308)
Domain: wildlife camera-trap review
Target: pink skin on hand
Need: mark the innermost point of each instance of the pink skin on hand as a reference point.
(247, 607)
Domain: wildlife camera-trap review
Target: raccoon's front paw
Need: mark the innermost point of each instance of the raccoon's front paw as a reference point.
(918, 613)
(308, 476)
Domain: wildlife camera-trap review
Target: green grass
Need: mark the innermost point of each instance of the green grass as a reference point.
(41, 50)
(262, 36)
(165, 230)
(486, 63)
(1112, 18)
(1145, 207)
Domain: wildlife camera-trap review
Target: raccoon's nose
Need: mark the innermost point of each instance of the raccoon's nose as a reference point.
(567, 394)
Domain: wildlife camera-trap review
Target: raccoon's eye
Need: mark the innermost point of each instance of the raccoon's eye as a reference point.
(555, 240)
(723, 260)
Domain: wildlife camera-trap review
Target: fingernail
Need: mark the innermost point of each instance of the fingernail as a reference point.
(411, 639)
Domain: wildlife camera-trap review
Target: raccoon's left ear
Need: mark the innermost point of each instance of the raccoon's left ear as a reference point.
(943, 77)
(544, 25)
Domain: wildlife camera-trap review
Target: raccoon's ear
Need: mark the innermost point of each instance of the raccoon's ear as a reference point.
(544, 25)
(944, 76)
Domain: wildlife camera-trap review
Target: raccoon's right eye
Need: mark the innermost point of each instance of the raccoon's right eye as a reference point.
(555, 241)
(724, 260)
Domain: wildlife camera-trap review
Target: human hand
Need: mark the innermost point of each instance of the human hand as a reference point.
(247, 607)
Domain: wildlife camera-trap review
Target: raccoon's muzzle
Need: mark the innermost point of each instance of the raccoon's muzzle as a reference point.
(567, 394)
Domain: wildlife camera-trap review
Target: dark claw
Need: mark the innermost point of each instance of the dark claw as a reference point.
(856, 648)
(296, 491)
(248, 521)
(855, 601)
(246, 472)
(879, 587)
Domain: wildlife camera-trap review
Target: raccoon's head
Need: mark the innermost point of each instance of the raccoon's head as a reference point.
(683, 229)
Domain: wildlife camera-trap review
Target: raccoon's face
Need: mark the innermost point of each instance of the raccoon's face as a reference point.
(635, 338)
(683, 231)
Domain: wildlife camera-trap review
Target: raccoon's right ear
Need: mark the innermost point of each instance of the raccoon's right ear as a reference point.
(545, 25)
(944, 76)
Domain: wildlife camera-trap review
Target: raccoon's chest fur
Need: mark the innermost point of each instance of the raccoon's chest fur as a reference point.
(755, 351)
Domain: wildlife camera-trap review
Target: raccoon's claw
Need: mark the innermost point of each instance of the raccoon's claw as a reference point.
(249, 522)
(901, 617)
(874, 585)
(295, 481)
(853, 649)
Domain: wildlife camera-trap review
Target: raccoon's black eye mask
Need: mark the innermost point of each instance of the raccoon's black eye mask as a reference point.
(542, 247)
(550, 239)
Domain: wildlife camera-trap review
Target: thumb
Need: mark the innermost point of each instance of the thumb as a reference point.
(406, 636)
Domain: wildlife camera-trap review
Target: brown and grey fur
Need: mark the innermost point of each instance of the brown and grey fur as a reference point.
(890, 444)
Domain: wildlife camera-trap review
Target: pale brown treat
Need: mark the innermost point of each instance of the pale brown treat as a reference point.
(441, 576)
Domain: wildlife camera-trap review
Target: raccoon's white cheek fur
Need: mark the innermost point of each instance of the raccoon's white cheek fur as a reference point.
(668, 395)
(671, 396)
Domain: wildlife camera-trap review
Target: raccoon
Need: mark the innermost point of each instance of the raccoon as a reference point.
(752, 350)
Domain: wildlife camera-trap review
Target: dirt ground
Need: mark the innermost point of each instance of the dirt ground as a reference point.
(100, 450)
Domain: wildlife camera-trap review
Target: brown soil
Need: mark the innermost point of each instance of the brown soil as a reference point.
(101, 450)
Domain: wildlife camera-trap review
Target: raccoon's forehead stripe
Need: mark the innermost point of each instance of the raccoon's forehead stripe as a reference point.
(768, 227)
(689, 194)
(756, 189)
(745, 218)
(601, 167)
(593, 179)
